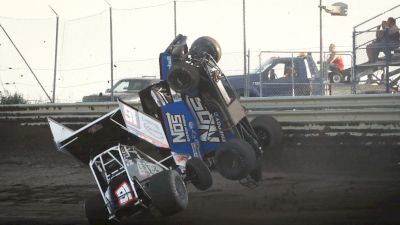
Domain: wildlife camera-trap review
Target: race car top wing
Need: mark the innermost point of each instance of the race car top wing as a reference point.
(59, 132)
(143, 125)
(92, 139)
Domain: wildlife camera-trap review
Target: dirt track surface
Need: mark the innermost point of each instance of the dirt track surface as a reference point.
(49, 188)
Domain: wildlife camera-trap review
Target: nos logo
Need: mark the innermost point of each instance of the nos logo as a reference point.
(177, 126)
(210, 130)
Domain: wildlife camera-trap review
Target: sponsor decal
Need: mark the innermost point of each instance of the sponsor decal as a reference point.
(126, 156)
(218, 123)
(169, 62)
(180, 160)
(209, 125)
(123, 194)
(177, 127)
(144, 126)
(153, 128)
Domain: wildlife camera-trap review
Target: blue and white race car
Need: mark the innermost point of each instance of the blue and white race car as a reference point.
(201, 113)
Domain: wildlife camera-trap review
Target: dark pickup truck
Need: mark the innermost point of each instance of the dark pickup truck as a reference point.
(286, 76)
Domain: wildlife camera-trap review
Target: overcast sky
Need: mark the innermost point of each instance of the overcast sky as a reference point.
(142, 29)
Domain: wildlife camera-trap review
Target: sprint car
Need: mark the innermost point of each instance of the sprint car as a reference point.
(133, 165)
(201, 112)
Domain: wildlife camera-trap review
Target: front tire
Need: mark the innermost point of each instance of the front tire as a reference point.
(199, 174)
(168, 192)
(235, 159)
(96, 211)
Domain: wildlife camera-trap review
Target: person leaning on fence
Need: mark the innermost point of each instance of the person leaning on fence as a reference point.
(389, 29)
(335, 61)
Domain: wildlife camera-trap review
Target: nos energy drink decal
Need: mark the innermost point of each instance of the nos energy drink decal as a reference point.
(209, 125)
(181, 129)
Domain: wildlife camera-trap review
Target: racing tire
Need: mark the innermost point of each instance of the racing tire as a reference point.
(96, 211)
(335, 78)
(268, 131)
(235, 159)
(168, 192)
(198, 174)
(183, 77)
(207, 45)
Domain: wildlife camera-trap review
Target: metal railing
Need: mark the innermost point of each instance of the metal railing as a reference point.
(312, 109)
(351, 108)
(365, 37)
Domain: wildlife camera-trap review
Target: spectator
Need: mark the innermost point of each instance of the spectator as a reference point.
(272, 74)
(290, 71)
(390, 29)
(335, 61)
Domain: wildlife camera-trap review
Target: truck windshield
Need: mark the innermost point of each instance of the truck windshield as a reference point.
(265, 65)
(130, 85)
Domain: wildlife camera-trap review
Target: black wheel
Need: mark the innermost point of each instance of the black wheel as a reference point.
(199, 174)
(335, 78)
(183, 77)
(235, 159)
(268, 131)
(168, 192)
(96, 211)
(208, 45)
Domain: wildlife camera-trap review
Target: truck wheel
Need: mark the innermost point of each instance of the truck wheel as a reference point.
(268, 131)
(199, 174)
(168, 192)
(235, 159)
(183, 77)
(96, 211)
(208, 45)
(335, 78)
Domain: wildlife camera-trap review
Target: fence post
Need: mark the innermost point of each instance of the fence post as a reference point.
(387, 59)
(353, 78)
(55, 55)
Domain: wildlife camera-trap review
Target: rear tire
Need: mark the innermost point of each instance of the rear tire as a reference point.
(168, 192)
(96, 211)
(199, 174)
(268, 131)
(183, 77)
(235, 159)
(336, 78)
(207, 45)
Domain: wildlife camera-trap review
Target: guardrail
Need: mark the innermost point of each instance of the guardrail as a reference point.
(314, 109)
(358, 119)
(311, 109)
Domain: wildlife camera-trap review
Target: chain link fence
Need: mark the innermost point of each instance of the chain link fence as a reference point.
(84, 54)
(84, 49)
